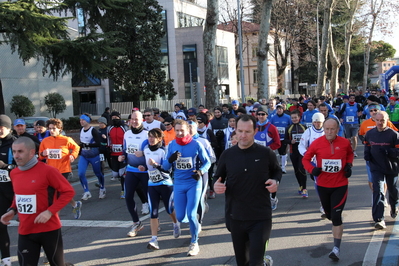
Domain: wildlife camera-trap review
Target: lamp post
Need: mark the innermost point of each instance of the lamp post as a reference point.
(242, 83)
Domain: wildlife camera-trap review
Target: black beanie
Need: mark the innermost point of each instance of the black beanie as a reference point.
(5, 121)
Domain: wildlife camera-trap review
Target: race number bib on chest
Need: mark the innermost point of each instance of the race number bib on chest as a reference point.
(350, 119)
(4, 177)
(116, 147)
(155, 176)
(331, 165)
(308, 124)
(184, 163)
(26, 204)
(296, 137)
(281, 130)
(54, 154)
(260, 142)
(131, 148)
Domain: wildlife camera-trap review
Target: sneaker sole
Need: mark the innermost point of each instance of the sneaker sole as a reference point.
(151, 247)
(333, 257)
(135, 232)
(379, 227)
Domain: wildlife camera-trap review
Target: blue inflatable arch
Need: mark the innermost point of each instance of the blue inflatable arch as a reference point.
(384, 78)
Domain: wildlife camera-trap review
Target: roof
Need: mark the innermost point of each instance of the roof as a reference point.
(247, 27)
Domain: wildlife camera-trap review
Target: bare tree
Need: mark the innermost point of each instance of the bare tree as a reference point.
(209, 39)
(263, 49)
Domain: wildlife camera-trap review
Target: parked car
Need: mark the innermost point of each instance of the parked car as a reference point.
(30, 120)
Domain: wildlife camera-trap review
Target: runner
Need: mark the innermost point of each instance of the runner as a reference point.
(60, 151)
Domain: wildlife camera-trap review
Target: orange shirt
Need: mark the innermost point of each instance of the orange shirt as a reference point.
(369, 124)
(169, 136)
(60, 148)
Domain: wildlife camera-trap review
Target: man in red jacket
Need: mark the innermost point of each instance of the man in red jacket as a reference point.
(40, 193)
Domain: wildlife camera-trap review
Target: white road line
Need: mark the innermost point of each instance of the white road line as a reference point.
(371, 256)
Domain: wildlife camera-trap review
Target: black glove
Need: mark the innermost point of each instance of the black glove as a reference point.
(312, 177)
(83, 145)
(316, 171)
(197, 174)
(348, 170)
(3, 165)
(176, 155)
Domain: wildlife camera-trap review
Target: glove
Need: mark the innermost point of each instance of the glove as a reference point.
(348, 170)
(316, 171)
(197, 174)
(83, 145)
(176, 155)
(3, 164)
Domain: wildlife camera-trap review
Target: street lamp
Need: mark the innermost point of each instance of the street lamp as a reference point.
(242, 83)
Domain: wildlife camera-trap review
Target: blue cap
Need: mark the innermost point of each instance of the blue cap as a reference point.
(19, 122)
(235, 102)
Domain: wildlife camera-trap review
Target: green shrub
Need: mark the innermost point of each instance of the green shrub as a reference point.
(22, 106)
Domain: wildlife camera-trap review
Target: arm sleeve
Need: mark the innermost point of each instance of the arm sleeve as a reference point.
(74, 147)
(274, 166)
(306, 160)
(276, 138)
(303, 143)
(96, 137)
(204, 158)
(221, 168)
(64, 189)
(367, 149)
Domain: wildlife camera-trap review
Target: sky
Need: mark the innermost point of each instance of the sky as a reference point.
(392, 40)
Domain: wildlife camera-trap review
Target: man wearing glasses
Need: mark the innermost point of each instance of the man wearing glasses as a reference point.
(169, 132)
(370, 99)
(150, 122)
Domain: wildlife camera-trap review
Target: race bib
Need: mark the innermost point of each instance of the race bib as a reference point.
(281, 130)
(4, 177)
(308, 124)
(102, 159)
(184, 163)
(155, 176)
(26, 204)
(331, 165)
(261, 142)
(229, 145)
(131, 148)
(55, 154)
(350, 119)
(117, 148)
(296, 137)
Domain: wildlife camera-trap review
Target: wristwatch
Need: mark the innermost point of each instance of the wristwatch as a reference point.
(11, 166)
(12, 209)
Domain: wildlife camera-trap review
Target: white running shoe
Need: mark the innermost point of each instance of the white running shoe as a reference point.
(176, 230)
(101, 194)
(136, 227)
(77, 212)
(86, 196)
(380, 225)
(153, 244)
(334, 254)
(122, 195)
(193, 249)
(274, 202)
(145, 208)
(5, 262)
(267, 261)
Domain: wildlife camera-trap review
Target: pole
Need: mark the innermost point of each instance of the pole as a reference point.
(242, 83)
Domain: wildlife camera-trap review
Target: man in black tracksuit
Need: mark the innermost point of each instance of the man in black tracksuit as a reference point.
(248, 173)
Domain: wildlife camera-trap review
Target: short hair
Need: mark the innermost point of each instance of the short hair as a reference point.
(181, 122)
(296, 112)
(155, 110)
(149, 110)
(28, 142)
(246, 118)
(88, 115)
(156, 132)
(323, 105)
(56, 122)
(225, 105)
(313, 102)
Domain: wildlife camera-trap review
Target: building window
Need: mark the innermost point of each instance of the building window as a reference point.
(186, 20)
(255, 76)
(272, 75)
(254, 51)
(190, 68)
(222, 64)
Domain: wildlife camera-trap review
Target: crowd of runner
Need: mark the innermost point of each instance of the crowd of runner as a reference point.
(173, 157)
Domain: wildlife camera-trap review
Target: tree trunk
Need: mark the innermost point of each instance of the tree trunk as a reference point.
(2, 107)
(209, 39)
(263, 71)
(322, 71)
(335, 65)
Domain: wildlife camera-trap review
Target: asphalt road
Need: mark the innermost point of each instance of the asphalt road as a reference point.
(299, 236)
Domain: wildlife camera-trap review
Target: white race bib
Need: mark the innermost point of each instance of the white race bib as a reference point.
(131, 148)
(102, 159)
(55, 154)
(261, 142)
(4, 177)
(229, 145)
(184, 163)
(26, 204)
(308, 125)
(155, 176)
(117, 148)
(331, 165)
(281, 130)
(350, 119)
(296, 137)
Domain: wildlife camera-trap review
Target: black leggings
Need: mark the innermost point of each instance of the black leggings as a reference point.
(155, 193)
(283, 149)
(249, 240)
(6, 197)
(29, 248)
(333, 201)
(300, 173)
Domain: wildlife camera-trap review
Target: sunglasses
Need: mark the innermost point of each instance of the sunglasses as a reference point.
(252, 111)
(200, 122)
(373, 110)
(167, 124)
(146, 115)
(261, 114)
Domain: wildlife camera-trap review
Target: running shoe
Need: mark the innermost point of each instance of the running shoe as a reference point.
(380, 225)
(283, 170)
(113, 178)
(193, 249)
(206, 207)
(300, 190)
(305, 193)
(394, 213)
(97, 185)
(355, 154)
(267, 261)
(212, 194)
(101, 194)
(145, 208)
(136, 227)
(334, 254)
(86, 195)
(153, 244)
(176, 230)
(77, 212)
(122, 195)
(274, 202)
(323, 214)
(5, 262)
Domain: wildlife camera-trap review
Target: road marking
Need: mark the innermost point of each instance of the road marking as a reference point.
(371, 256)
(392, 250)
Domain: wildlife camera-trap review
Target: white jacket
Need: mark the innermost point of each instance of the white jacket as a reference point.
(310, 134)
